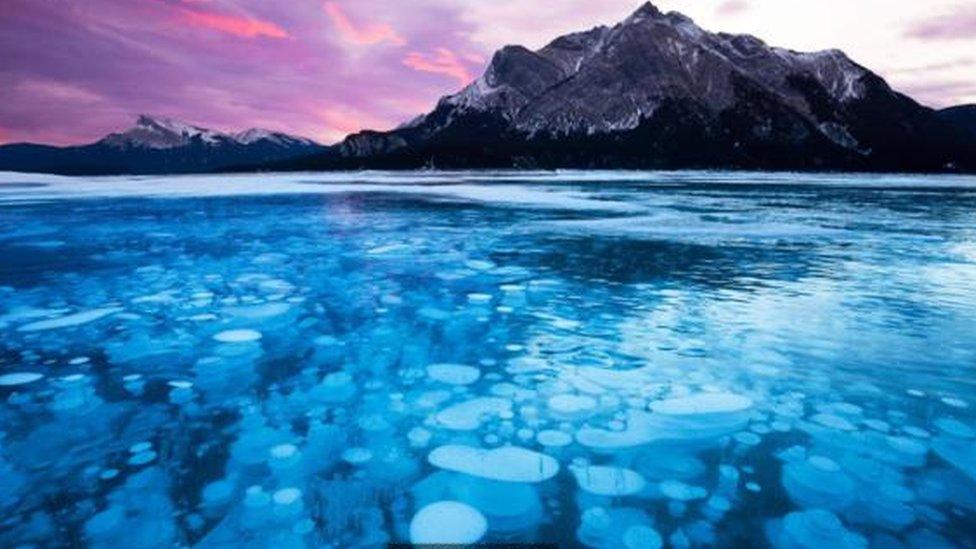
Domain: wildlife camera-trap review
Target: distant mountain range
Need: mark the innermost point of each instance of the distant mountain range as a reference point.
(653, 91)
(160, 145)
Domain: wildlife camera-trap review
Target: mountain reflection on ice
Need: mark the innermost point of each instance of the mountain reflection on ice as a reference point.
(589, 359)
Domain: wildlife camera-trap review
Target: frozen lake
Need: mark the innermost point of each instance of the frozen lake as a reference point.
(603, 359)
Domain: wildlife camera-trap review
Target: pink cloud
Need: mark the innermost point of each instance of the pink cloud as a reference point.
(243, 27)
(443, 61)
(363, 35)
(956, 26)
(732, 7)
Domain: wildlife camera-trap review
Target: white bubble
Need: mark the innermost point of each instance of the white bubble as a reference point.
(19, 378)
(509, 463)
(238, 336)
(447, 522)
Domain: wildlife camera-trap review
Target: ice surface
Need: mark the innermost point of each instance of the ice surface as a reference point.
(606, 359)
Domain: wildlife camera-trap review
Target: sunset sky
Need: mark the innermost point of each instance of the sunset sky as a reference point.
(74, 70)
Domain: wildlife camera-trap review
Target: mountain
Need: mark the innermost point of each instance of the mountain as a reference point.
(653, 91)
(159, 145)
(658, 91)
(962, 117)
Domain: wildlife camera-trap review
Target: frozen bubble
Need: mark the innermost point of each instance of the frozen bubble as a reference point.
(468, 415)
(955, 402)
(679, 491)
(608, 481)
(286, 496)
(335, 388)
(954, 427)
(283, 451)
(238, 336)
(19, 378)
(607, 527)
(747, 438)
(479, 298)
(218, 493)
(388, 248)
(79, 360)
(419, 437)
(719, 503)
(959, 453)
(142, 458)
(258, 312)
(105, 524)
(453, 374)
(509, 464)
(669, 465)
(570, 405)
(818, 482)
(812, 529)
(906, 451)
(479, 264)
(702, 404)
(877, 425)
(640, 429)
(642, 537)
(140, 447)
(916, 432)
(753, 487)
(553, 438)
(67, 321)
(833, 422)
(357, 455)
(432, 399)
(287, 502)
(447, 522)
(700, 418)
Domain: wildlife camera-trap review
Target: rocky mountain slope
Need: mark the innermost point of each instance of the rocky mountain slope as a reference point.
(962, 117)
(159, 145)
(653, 91)
(657, 91)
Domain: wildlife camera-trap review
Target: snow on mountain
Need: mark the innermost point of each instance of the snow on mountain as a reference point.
(610, 79)
(657, 90)
(153, 132)
(255, 135)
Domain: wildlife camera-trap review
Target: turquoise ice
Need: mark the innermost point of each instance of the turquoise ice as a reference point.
(605, 359)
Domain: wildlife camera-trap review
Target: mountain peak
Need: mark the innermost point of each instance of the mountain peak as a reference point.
(646, 10)
(254, 135)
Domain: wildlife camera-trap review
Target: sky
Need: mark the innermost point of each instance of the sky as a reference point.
(72, 71)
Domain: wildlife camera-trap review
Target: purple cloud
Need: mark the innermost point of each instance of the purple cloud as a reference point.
(956, 26)
(74, 71)
(732, 7)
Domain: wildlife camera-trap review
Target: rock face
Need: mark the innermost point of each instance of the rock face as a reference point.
(160, 145)
(656, 90)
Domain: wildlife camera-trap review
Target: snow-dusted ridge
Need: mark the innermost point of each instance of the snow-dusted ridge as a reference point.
(156, 132)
